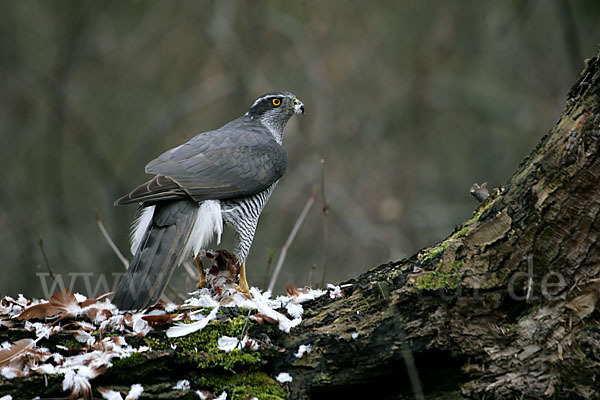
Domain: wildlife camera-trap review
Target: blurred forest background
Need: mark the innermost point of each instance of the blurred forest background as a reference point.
(408, 102)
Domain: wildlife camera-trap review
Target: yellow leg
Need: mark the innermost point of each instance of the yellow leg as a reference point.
(202, 281)
(243, 286)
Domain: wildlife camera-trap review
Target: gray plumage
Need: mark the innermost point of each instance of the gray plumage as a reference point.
(237, 165)
(160, 250)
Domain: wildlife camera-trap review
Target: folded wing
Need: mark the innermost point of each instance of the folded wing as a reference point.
(229, 162)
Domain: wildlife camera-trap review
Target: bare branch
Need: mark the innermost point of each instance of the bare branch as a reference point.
(290, 239)
(41, 244)
(112, 244)
(325, 210)
(270, 256)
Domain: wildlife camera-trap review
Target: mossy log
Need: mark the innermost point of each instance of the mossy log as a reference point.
(504, 308)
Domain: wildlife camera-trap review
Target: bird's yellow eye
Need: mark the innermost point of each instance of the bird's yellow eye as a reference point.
(276, 102)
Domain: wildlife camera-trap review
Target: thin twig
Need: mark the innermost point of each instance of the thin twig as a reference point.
(310, 276)
(407, 355)
(244, 329)
(41, 244)
(112, 244)
(290, 239)
(325, 210)
(125, 262)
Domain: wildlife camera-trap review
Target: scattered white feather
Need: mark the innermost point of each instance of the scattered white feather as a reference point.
(139, 227)
(22, 300)
(355, 336)
(283, 377)
(84, 337)
(308, 294)
(294, 310)
(78, 382)
(79, 369)
(228, 343)
(110, 394)
(202, 395)
(304, 348)
(13, 310)
(185, 329)
(9, 373)
(208, 223)
(116, 323)
(95, 359)
(85, 324)
(79, 297)
(263, 304)
(334, 291)
(196, 316)
(135, 392)
(7, 397)
(202, 298)
(223, 396)
(47, 369)
(41, 330)
(183, 384)
(103, 310)
(286, 325)
(170, 307)
(140, 325)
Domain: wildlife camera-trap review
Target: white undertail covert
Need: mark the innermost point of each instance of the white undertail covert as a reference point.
(139, 226)
(207, 223)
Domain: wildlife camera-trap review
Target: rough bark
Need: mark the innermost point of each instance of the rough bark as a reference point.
(504, 308)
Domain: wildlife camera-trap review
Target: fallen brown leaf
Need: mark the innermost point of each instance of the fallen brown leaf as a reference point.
(158, 320)
(15, 349)
(89, 302)
(60, 303)
(260, 318)
(294, 291)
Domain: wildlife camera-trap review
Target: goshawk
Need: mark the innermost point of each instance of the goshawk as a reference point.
(221, 176)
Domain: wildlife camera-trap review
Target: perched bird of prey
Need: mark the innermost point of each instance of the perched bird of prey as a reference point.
(221, 176)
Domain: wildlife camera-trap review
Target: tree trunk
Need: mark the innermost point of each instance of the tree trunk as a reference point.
(504, 308)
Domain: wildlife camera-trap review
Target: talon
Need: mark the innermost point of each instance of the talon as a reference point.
(243, 285)
(242, 289)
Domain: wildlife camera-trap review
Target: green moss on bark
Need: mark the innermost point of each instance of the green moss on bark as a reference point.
(243, 385)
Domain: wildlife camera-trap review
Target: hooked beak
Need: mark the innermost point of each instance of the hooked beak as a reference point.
(298, 107)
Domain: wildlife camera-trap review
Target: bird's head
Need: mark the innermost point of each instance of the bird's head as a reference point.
(275, 109)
